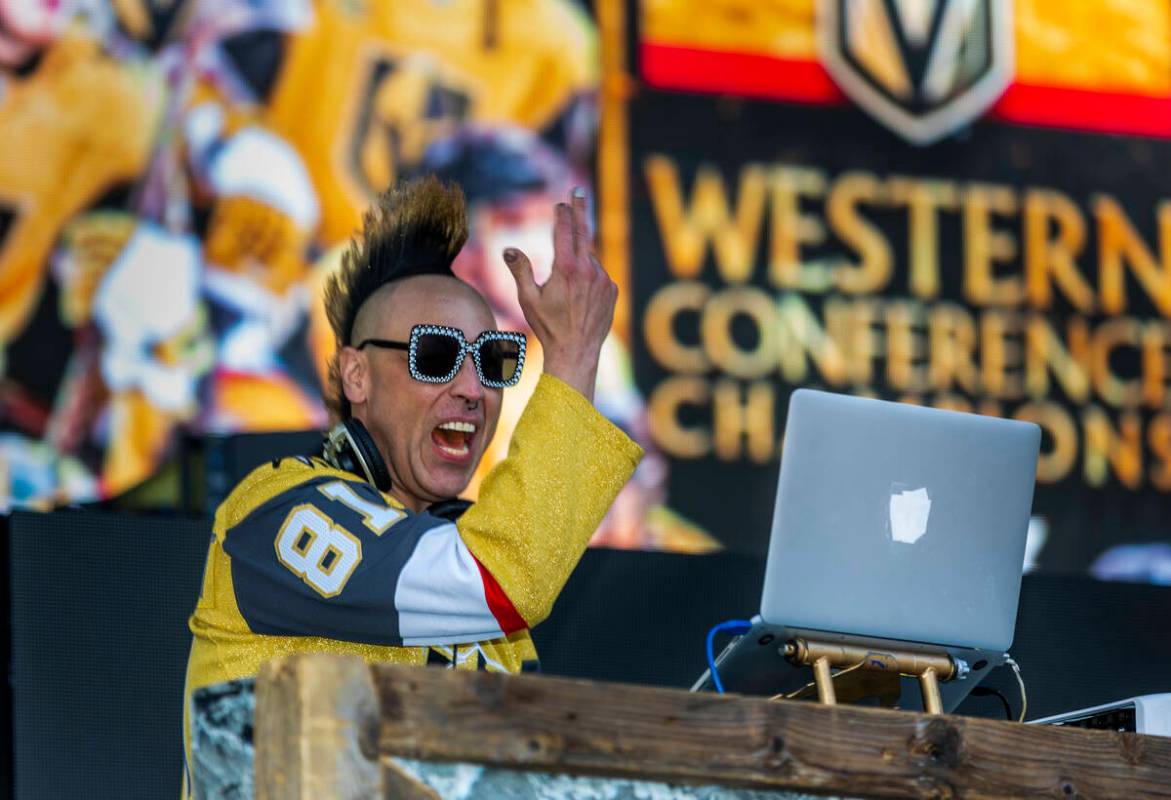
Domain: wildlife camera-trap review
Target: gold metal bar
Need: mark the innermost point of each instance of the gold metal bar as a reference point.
(825, 682)
(906, 662)
(932, 702)
(930, 668)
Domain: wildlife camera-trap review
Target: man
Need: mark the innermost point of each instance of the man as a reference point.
(369, 554)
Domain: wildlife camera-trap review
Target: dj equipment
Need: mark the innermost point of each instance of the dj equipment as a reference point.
(895, 556)
(1149, 713)
(899, 522)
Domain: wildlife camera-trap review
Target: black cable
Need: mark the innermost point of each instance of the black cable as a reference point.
(986, 691)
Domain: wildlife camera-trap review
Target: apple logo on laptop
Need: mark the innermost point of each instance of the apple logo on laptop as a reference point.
(909, 509)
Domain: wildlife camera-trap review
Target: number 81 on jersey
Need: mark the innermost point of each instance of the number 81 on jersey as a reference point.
(316, 549)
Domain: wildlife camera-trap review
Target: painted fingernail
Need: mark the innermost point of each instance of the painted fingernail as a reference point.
(579, 193)
(509, 255)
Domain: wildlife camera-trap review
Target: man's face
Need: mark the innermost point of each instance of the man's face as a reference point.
(410, 420)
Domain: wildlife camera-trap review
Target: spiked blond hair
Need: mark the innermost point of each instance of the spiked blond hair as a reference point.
(415, 228)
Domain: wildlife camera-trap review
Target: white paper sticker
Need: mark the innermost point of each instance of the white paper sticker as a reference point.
(909, 510)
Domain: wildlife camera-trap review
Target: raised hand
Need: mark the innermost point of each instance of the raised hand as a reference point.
(572, 312)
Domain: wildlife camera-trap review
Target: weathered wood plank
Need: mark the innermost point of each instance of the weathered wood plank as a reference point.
(316, 728)
(580, 727)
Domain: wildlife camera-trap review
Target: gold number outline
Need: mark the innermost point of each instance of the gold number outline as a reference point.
(293, 526)
(366, 509)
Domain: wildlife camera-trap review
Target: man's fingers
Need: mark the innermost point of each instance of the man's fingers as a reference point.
(597, 264)
(581, 225)
(522, 272)
(562, 234)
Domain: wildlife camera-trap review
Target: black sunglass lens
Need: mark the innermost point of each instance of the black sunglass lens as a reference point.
(499, 359)
(435, 355)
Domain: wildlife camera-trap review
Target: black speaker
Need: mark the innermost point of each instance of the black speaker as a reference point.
(99, 650)
(212, 465)
(1082, 642)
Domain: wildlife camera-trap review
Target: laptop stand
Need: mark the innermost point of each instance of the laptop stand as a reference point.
(822, 656)
(757, 663)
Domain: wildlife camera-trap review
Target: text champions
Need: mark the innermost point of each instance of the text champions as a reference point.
(1018, 301)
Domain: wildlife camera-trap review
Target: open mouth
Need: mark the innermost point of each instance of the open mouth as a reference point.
(454, 439)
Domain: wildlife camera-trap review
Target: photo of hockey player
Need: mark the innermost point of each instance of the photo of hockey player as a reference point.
(152, 285)
(367, 87)
(185, 298)
(219, 200)
(188, 300)
(223, 174)
(64, 153)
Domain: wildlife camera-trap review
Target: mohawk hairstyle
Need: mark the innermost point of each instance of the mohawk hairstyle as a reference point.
(415, 228)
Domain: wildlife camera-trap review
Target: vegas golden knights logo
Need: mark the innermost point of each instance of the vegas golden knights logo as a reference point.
(405, 106)
(923, 68)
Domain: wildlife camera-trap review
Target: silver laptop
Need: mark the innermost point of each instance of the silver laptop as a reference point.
(893, 524)
(899, 522)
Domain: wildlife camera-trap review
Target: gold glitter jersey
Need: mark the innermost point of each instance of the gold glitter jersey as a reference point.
(369, 85)
(76, 127)
(308, 558)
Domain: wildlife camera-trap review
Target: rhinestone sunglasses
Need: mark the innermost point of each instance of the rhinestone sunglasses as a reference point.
(435, 354)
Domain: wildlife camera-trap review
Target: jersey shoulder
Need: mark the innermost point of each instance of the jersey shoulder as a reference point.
(291, 481)
(314, 551)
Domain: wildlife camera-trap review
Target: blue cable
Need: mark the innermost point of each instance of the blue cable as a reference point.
(734, 626)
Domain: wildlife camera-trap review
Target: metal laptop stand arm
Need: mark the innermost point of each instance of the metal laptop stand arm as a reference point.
(929, 668)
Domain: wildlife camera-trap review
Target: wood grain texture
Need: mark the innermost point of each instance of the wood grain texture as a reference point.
(399, 784)
(581, 727)
(316, 728)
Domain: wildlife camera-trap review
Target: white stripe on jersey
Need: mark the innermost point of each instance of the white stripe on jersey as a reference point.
(440, 593)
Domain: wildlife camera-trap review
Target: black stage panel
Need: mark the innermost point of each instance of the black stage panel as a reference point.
(1082, 642)
(642, 617)
(213, 465)
(100, 604)
(99, 648)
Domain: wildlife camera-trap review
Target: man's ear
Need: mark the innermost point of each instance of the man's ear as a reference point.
(355, 374)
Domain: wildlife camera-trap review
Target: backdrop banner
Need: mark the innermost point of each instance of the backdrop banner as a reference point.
(958, 204)
(955, 204)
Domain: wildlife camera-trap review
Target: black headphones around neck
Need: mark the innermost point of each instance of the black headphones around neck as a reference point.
(349, 446)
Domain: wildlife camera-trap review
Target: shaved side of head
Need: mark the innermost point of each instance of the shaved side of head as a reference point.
(382, 304)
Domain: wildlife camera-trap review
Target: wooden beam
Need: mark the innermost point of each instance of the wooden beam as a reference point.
(315, 730)
(324, 724)
(581, 727)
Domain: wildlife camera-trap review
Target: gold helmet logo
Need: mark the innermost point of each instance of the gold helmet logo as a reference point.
(923, 68)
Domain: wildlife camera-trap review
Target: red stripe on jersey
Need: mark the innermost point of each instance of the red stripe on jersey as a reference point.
(501, 607)
(746, 74)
